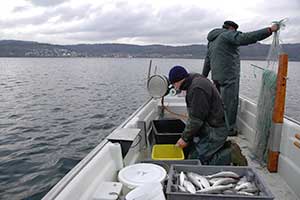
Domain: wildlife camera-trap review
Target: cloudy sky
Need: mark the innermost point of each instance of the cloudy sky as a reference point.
(169, 22)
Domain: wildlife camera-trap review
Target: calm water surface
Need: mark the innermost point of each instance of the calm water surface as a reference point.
(53, 111)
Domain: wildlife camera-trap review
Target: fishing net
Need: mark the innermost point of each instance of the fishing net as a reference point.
(266, 98)
(275, 48)
(265, 106)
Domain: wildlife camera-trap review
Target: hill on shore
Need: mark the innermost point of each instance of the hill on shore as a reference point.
(16, 48)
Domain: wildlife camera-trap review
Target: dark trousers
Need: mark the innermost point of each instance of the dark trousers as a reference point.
(208, 147)
(229, 91)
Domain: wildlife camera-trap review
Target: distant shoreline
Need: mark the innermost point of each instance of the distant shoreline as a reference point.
(255, 59)
(26, 49)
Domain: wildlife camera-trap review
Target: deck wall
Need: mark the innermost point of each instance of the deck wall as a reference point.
(289, 159)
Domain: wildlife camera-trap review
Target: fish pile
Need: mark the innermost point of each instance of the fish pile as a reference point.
(225, 182)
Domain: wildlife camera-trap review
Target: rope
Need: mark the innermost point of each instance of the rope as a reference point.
(181, 116)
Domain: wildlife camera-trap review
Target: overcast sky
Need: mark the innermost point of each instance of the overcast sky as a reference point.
(168, 22)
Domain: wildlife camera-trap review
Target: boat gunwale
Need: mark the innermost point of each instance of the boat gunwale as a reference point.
(285, 116)
(61, 184)
(134, 113)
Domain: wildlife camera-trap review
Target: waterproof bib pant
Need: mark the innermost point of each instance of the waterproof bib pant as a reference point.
(208, 147)
(230, 95)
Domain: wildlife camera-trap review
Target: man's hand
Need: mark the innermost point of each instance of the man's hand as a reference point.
(274, 27)
(181, 143)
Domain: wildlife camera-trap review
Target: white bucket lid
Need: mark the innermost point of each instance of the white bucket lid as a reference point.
(138, 174)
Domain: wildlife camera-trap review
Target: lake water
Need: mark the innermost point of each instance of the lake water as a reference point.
(53, 111)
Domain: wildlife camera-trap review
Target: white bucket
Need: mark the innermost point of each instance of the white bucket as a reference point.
(149, 191)
(140, 174)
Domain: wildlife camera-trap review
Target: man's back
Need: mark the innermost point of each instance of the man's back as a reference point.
(223, 51)
(203, 100)
(224, 56)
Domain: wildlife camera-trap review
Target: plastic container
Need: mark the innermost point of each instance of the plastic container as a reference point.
(139, 174)
(167, 131)
(173, 194)
(148, 191)
(167, 152)
(166, 164)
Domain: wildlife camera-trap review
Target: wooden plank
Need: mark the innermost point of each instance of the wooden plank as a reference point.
(278, 112)
(272, 161)
(297, 144)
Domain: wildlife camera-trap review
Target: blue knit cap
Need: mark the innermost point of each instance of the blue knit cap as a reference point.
(177, 73)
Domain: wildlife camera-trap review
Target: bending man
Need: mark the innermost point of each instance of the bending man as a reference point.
(205, 129)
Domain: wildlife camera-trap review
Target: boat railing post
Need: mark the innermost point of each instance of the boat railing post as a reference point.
(278, 114)
(162, 111)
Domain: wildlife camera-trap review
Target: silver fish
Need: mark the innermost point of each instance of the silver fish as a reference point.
(224, 181)
(252, 189)
(216, 189)
(228, 192)
(194, 180)
(243, 186)
(182, 178)
(242, 180)
(189, 186)
(181, 188)
(245, 193)
(202, 179)
(227, 174)
(213, 180)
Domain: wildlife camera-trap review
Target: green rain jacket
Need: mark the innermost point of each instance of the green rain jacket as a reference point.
(223, 57)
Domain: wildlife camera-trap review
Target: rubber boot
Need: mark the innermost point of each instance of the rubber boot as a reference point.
(233, 132)
(237, 158)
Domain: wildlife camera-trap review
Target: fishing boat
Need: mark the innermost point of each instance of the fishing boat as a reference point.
(132, 141)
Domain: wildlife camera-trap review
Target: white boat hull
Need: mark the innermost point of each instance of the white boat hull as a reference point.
(104, 162)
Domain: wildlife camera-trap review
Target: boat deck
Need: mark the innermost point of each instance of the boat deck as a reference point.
(276, 184)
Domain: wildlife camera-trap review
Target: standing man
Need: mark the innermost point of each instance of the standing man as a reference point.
(223, 59)
(205, 129)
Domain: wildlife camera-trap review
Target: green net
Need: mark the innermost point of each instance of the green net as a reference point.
(266, 98)
(265, 106)
(275, 48)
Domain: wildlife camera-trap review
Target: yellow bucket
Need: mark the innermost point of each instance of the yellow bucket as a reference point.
(167, 152)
